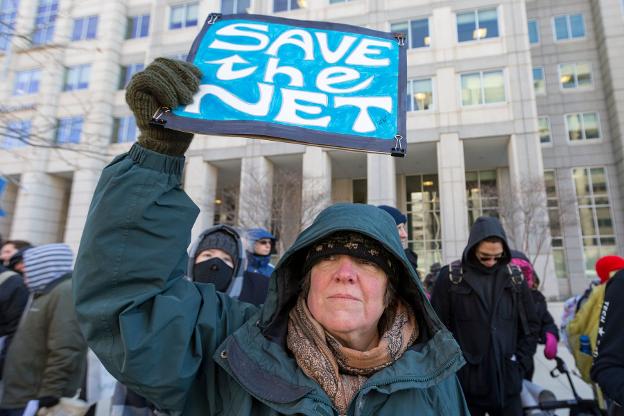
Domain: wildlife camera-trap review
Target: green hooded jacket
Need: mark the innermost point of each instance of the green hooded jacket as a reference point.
(194, 351)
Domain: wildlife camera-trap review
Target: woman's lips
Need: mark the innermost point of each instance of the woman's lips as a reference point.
(343, 296)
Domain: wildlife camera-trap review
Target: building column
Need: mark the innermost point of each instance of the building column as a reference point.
(526, 178)
(40, 210)
(256, 192)
(316, 186)
(200, 183)
(82, 189)
(453, 204)
(381, 180)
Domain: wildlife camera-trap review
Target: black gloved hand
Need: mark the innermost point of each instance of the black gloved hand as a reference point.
(164, 83)
(48, 401)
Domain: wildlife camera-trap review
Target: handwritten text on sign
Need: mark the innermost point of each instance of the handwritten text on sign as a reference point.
(325, 80)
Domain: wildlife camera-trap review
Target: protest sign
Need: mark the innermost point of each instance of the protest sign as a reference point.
(316, 83)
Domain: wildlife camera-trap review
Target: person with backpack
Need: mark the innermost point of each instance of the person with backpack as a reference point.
(608, 365)
(486, 304)
(582, 330)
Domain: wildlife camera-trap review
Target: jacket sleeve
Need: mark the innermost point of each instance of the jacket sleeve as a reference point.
(527, 343)
(67, 350)
(547, 322)
(148, 324)
(608, 366)
(440, 297)
(13, 299)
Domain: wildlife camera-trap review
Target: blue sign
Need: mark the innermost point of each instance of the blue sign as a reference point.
(308, 82)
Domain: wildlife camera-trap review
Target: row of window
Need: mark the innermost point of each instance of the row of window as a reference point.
(68, 130)
(580, 127)
(572, 76)
(566, 27)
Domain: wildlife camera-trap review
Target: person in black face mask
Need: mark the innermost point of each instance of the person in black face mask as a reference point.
(218, 257)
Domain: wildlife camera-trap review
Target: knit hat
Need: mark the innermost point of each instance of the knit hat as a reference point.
(399, 218)
(219, 240)
(607, 264)
(352, 244)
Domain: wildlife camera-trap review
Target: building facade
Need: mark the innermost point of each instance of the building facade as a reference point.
(515, 109)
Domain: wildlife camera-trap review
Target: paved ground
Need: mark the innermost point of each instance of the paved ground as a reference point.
(560, 385)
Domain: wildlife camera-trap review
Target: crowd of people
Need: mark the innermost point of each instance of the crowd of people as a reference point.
(342, 325)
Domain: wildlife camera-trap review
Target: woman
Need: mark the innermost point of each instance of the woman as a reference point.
(346, 328)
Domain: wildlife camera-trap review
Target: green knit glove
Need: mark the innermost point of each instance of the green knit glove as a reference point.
(164, 83)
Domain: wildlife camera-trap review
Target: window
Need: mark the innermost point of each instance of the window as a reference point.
(44, 22)
(419, 95)
(485, 87)
(539, 85)
(124, 130)
(234, 6)
(16, 134)
(543, 124)
(554, 220)
(8, 15)
(416, 32)
(533, 32)
(360, 191)
(127, 72)
(69, 130)
(569, 27)
(85, 28)
(77, 77)
(477, 24)
(338, 1)
(577, 75)
(183, 15)
(481, 194)
(597, 227)
(284, 5)
(424, 223)
(583, 126)
(137, 26)
(26, 82)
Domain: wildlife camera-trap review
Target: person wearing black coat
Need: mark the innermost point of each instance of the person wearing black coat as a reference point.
(608, 366)
(487, 306)
(13, 299)
(400, 220)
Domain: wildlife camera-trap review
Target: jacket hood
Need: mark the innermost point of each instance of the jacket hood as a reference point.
(286, 280)
(485, 227)
(240, 263)
(45, 264)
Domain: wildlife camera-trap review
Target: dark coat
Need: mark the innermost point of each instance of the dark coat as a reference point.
(191, 350)
(486, 322)
(48, 353)
(608, 366)
(546, 322)
(13, 299)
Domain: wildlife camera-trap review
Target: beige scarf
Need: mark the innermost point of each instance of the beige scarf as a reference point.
(339, 370)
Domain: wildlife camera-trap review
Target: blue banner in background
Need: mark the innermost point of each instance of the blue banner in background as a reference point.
(3, 183)
(309, 82)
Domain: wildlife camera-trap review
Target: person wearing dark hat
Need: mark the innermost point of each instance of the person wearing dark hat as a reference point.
(487, 305)
(218, 257)
(608, 366)
(346, 328)
(400, 220)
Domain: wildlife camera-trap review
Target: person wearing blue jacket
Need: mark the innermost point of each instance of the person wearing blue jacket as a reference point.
(346, 328)
(260, 246)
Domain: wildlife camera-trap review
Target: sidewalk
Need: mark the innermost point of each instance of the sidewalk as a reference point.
(559, 385)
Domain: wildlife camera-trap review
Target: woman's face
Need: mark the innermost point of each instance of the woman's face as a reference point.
(347, 298)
